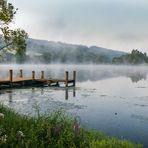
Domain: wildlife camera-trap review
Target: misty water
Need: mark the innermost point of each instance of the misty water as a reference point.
(112, 99)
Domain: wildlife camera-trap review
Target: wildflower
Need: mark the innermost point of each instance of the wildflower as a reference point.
(3, 139)
(56, 130)
(2, 116)
(76, 128)
(20, 135)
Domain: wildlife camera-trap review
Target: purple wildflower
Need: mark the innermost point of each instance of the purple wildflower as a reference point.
(76, 127)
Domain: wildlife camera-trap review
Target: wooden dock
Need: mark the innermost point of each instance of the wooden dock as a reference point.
(21, 80)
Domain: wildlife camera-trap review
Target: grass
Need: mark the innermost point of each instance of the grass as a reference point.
(55, 131)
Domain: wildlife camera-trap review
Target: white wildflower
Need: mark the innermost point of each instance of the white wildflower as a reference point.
(3, 138)
(20, 134)
(2, 116)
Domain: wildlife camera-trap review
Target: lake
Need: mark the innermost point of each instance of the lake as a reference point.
(112, 99)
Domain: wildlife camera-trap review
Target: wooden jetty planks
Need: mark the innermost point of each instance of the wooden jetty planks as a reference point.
(21, 80)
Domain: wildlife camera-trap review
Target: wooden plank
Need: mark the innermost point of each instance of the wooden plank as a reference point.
(30, 78)
(22, 79)
(1, 81)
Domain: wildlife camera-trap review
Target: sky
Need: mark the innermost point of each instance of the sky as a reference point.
(114, 24)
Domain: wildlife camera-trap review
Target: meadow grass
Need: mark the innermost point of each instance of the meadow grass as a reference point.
(57, 130)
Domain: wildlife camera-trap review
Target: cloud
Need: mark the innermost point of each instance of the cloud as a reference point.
(117, 24)
(131, 37)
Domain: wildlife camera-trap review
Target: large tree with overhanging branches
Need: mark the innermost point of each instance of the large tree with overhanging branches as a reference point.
(13, 39)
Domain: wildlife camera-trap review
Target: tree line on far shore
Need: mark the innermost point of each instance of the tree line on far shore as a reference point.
(134, 58)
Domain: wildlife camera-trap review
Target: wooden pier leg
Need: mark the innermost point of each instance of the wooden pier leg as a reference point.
(42, 74)
(66, 94)
(66, 79)
(74, 78)
(33, 75)
(21, 76)
(57, 84)
(11, 77)
(21, 73)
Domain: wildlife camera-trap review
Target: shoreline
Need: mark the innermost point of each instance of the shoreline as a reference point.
(55, 130)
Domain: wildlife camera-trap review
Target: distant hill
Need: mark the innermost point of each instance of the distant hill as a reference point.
(42, 51)
(48, 51)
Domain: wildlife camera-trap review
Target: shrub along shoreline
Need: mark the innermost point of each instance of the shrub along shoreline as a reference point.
(55, 131)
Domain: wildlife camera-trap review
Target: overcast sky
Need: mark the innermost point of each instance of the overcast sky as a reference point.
(115, 24)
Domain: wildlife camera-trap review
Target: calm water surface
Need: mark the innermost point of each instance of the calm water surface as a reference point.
(113, 99)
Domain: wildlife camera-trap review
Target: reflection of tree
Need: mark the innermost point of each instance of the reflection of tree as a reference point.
(102, 74)
(137, 77)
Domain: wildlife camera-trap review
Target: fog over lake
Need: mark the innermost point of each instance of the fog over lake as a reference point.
(113, 99)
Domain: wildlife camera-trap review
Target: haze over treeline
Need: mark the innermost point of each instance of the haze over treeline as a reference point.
(42, 51)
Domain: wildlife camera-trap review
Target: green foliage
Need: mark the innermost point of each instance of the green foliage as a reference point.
(71, 57)
(112, 143)
(54, 131)
(7, 12)
(135, 57)
(15, 40)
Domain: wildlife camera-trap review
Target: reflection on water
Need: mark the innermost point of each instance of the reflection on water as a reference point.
(135, 77)
(10, 97)
(41, 90)
(113, 99)
(26, 100)
(140, 117)
(67, 92)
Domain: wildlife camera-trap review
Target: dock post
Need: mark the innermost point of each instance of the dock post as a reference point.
(10, 77)
(21, 73)
(74, 78)
(42, 74)
(66, 79)
(21, 76)
(33, 75)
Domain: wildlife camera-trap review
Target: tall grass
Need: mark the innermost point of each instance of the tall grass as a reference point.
(54, 131)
